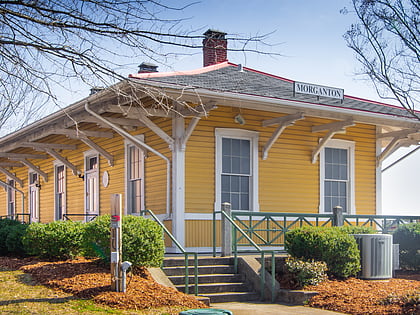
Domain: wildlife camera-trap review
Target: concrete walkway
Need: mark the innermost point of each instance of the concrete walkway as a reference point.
(243, 308)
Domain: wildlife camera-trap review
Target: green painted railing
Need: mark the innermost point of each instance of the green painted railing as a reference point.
(183, 251)
(237, 230)
(269, 228)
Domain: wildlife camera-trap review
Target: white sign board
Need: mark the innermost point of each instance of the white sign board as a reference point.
(318, 90)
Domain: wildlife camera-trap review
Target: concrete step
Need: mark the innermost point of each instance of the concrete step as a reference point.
(203, 289)
(210, 278)
(214, 269)
(202, 261)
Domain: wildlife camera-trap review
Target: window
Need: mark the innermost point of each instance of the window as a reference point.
(92, 184)
(34, 196)
(135, 179)
(11, 199)
(237, 169)
(337, 160)
(60, 201)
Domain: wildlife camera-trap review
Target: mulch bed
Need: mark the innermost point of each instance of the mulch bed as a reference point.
(356, 296)
(86, 279)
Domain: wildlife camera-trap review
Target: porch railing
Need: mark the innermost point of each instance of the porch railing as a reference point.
(182, 250)
(269, 228)
(18, 217)
(84, 216)
(237, 230)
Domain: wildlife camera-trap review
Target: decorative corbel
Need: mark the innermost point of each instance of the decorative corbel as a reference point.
(333, 128)
(283, 122)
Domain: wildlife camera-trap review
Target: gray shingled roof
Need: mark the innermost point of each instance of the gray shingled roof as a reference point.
(251, 82)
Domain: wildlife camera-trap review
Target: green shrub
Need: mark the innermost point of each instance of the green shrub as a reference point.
(330, 244)
(5, 226)
(408, 236)
(352, 229)
(58, 239)
(96, 238)
(306, 272)
(142, 240)
(14, 239)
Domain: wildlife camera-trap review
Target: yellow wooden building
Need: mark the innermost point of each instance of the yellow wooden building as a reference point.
(182, 143)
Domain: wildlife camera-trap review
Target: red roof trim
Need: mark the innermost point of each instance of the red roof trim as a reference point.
(174, 73)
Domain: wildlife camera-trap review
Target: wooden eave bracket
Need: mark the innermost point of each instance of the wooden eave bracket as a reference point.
(12, 176)
(34, 168)
(79, 133)
(283, 122)
(43, 146)
(98, 149)
(203, 110)
(401, 138)
(63, 160)
(333, 128)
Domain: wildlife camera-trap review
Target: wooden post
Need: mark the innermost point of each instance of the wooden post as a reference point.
(226, 231)
(116, 244)
(338, 219)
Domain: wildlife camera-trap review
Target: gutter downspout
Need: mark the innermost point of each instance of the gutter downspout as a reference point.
(19, 191)
(140, 144)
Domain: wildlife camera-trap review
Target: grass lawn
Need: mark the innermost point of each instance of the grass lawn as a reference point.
(19, 294)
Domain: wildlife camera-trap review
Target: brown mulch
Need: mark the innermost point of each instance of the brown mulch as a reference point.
(86, 279)
(356, 296)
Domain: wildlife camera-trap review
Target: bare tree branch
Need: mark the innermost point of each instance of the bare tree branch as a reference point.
(44, 44)
(387, 44)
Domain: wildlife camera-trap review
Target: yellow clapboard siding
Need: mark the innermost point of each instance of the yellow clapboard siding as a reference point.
(288, 181)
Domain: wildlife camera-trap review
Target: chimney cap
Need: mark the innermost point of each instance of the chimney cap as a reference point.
(145, 67)
(211, 33)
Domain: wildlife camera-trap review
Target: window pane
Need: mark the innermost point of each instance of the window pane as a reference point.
(236, 169)
(226, 164)
(234, 182)
(245, 148)
(245, 166)
(225, 183)
(226, 146)
(236, 147)
(244, 184)
(343, 172)
(235, 201)
(244, 202)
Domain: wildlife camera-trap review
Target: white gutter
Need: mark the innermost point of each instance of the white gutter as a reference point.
(141, 145)
(19, 191)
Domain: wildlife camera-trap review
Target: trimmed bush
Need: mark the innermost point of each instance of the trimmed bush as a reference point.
(142, 240)
(5, 227)
(306, 272)
(14, 239)
(408, 236)
(330, 244)
(57, 240)
(352, 229)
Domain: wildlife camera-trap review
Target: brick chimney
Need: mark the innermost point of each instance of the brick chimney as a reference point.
(214, 48)
(146, 67)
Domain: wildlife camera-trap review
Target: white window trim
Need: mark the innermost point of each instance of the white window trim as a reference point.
(237, 134)
(37, 194)
(127, 145)
(8, 191)
(338, 144)
(57, 164)
(86, 155)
